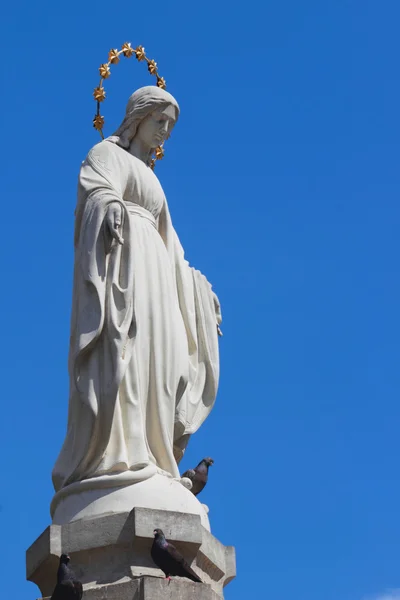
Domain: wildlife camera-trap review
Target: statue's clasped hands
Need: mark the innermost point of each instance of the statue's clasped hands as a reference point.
(114, 221)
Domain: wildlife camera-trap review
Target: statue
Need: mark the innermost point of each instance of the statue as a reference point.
(143, 359)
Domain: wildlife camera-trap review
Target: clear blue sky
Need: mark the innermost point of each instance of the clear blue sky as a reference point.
(283, 182)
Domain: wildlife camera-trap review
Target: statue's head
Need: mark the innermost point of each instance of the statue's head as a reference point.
(151, 114)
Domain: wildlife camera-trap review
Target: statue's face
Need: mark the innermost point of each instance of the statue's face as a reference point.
(154, 128)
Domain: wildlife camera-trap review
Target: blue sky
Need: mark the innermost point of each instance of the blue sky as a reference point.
(283, 182)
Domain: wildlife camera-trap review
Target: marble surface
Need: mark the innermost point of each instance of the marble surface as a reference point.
(144, 357)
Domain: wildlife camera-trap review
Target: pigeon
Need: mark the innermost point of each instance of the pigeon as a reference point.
(199, 475)
(169, 560)
(67, 588)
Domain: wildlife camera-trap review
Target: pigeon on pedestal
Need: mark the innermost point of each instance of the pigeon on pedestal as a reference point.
(169, 560)
(199, 475)
(67, 588)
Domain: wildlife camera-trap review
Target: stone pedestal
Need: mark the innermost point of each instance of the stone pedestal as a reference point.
(111, 557)
(83, 500)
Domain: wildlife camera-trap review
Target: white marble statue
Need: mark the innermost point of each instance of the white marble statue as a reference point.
(143, 358)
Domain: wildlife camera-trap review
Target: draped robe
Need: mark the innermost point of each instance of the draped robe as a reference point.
(143, 357)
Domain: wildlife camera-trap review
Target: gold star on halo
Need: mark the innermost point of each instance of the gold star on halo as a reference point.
(127, 49)
(161, 83)
(104, 71)
(113, 56)
(98, 122)
(99, 94)
(152, 67)
(139, 52)
(159, 152)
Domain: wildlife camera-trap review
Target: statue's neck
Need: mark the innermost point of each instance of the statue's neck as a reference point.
(140, 150)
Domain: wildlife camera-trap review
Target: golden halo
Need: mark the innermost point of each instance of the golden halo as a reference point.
(99, 92)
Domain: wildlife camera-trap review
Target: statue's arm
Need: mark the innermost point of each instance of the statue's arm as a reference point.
(101, 183)
(100, 212)
(177, 255)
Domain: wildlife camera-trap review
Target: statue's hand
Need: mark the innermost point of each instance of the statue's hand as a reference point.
(217, 307)
(218, 314)
(114, 220)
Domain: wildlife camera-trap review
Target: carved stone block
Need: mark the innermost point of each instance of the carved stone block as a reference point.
(111, 556)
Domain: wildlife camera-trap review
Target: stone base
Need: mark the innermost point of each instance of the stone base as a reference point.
(151, 588)
(111, 557)
(78, 501)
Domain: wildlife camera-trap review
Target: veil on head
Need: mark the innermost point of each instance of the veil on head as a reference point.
(142, 102)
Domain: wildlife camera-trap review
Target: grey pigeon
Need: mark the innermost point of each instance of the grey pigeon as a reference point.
(67, 588)
(169, 560)
(199, 475)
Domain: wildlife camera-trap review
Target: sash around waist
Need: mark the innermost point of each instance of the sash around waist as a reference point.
(140, 211)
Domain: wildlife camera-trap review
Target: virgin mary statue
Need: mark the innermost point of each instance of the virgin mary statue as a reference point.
(143, 358)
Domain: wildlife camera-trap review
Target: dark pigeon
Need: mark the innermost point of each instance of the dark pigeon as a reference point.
(169, 560)
(67, 588)
(199, 475)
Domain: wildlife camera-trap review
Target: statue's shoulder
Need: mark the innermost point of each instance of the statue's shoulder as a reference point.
(101, 151)
(104, 155)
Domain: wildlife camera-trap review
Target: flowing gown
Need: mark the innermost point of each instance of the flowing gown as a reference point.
(143, 359)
